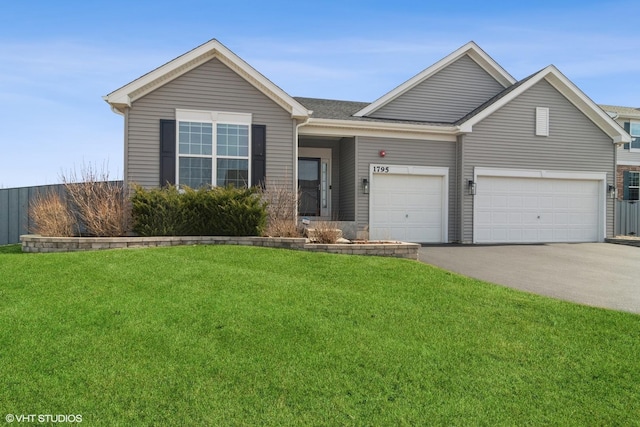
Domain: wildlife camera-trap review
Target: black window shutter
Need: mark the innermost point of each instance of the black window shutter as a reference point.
(258, 154)
(167, 152)
(625, 185)
(627, 128)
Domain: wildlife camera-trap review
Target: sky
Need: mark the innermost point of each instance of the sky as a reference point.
(59, 58)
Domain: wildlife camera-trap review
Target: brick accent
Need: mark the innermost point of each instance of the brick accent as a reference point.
(620, 169)
(35, 243)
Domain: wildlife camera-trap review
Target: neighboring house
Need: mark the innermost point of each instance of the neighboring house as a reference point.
(462, 152)
(628, 155)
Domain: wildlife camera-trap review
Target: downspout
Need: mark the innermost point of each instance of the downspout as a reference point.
(295, 161)
(125, 171)
(461, 188)
(615, 192)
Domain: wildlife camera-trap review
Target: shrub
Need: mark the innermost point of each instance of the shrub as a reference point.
(282, 210)
(50, 216)
(156, 212)
(325, 232)
(217, 211)
(98, 205)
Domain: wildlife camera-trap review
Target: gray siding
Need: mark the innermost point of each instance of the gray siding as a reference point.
(211, 87)
(628, 157)
(445, 96)
(406, 152)
(507, 139)
(348, 185)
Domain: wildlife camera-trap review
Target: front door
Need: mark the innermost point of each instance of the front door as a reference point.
(309, 185)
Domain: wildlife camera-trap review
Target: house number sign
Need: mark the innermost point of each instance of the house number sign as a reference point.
(380, 169)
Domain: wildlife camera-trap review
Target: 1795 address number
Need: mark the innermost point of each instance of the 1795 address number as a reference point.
(381, 169)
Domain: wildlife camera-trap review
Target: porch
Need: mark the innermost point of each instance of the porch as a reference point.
(327, 181)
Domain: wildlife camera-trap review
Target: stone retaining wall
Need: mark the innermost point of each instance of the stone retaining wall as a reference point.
(35, 243)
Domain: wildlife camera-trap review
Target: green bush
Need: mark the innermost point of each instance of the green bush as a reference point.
(217, 211)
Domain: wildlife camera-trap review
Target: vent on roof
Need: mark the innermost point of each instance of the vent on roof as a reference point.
(542, 121)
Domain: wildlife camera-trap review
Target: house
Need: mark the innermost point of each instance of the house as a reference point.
(627, 155)
(462, 152)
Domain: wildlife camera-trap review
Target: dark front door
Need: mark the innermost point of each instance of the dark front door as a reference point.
(309, 185)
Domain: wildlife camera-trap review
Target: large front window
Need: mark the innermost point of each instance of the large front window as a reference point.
(213, 148)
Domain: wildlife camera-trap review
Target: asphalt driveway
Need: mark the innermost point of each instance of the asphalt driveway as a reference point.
(597, 274)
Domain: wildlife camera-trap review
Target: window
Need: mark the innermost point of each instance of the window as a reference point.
(634, 131)
(633, 186)
(213, 148)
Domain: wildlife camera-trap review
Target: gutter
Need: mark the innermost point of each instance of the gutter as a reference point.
(395, 127)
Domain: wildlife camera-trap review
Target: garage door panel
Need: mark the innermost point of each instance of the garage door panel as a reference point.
(407, 207)
(500, 201)
(530, 210)
(515, 202)
(563, 218)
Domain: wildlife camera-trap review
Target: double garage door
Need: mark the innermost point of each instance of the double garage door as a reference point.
(409, 203)
(536, 209)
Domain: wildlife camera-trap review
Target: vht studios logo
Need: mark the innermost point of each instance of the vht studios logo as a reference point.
(43, 418)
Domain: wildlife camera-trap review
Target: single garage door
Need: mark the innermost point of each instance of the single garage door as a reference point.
(407, 207)
(537, 210)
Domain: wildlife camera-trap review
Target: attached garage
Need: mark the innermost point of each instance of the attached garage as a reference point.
(526, 206)
(408, 203)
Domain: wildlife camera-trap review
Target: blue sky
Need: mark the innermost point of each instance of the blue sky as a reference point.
(57, 59)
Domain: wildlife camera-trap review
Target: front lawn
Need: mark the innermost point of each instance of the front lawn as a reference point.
(225, 335)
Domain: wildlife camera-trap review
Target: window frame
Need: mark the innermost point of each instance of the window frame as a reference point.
(635, 187)
(635, 138)
(214, 118)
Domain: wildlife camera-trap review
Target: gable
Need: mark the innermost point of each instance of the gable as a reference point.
(507, 138)
(445, 96)
(122, 98)
(211, 86)
(564, 87)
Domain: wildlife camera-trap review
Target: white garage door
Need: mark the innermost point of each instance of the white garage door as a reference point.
(407, 207)
(536, 210)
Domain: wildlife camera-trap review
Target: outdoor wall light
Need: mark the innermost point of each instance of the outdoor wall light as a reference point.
(471, 187)
(611, 189)
(382, 153)
(365, 185)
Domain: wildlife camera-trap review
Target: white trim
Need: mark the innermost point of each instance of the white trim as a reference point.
(570, 91)
(471, 49)
(324, 154)
(417, 170)
(336, 127)
(628, 163)
(538, 173)
(546, 174)
(213, 117)
(124, 97)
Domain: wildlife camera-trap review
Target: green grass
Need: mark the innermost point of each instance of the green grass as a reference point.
(215, 335)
